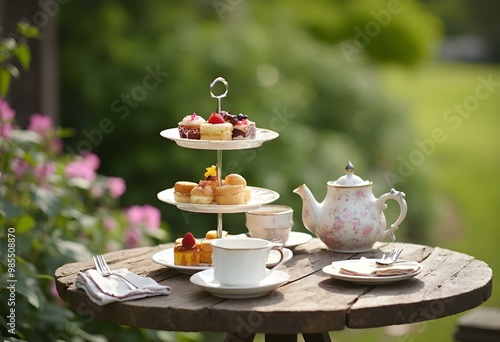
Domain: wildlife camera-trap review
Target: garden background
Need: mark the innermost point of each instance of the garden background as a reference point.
(368, 81)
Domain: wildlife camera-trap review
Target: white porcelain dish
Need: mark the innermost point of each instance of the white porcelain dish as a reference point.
(296, 239)
(333, 270)
(260, 196)
(205, 279)
(261, 136)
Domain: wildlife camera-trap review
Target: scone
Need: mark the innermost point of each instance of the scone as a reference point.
(236, 179)
(202, 194)
(189, 127)
(182, 191)
(230, 195)
(216, 128)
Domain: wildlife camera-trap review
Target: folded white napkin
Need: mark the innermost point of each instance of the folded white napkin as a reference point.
(366, 267)
(104, 290)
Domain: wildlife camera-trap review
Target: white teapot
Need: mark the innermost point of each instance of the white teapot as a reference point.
(350, 218)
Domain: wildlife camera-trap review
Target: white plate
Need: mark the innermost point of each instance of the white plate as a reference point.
(205, 279)
(297, 238)
(261, 136)
(333, 270)
(166, 258)
(260, 196)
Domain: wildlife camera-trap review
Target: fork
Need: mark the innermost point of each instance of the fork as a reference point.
(392, 257)
(104, 270)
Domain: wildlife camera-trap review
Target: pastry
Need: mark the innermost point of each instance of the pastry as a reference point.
(212, 234)
(230, 195)
(186, 253)
(189, 127)
(202, 194)
(216, 128)
(178, 241)
(242, 127)
(236, 179)
(182, 191)
(206, 247)
(206, 252)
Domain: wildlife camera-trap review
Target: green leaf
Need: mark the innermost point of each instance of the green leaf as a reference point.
(8, 210)
(30, 289)
(72, 250)
(65, 132)
(23, 54)
(14, 71)
(5, 77)
(24, 224)
(48, 202)
(9, 43)
(27, 30)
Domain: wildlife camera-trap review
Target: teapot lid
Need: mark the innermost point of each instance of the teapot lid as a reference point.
(350, 179)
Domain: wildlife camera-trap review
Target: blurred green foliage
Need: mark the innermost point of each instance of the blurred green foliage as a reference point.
(285, 70)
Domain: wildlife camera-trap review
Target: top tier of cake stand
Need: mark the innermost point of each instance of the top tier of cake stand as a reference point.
(261, 136)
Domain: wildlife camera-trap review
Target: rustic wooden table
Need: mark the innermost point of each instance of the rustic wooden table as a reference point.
(310, 303)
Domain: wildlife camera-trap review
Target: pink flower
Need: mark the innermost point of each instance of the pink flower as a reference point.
(42, 124)
(134, 215)
(133, 237)
(83, 168)
(19, 167)
(147, 216)
(109, 223)
(152, 217)
(6, 112)
(91, 160)
(54, 293)
(44, 171)
(96, 190)
(116, 186)
(6, 117)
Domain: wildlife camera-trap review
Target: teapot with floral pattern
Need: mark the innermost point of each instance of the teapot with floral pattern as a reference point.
(350, 218)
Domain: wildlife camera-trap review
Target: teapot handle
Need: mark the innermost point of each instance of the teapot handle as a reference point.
(399, 196)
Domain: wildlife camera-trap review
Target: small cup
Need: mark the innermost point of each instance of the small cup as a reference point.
(270, 222)
(242, 261)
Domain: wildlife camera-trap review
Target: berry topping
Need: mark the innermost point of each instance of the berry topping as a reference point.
(204, 183)
(216, 118)
(188, 239)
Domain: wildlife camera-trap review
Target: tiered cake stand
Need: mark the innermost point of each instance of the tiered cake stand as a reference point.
(259, 196)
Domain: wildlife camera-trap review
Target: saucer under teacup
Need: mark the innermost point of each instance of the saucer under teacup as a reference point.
(273, 280)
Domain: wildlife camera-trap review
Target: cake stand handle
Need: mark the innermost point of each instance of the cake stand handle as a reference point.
(218, 97)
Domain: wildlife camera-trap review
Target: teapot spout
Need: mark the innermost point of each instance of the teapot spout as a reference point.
(310, 208)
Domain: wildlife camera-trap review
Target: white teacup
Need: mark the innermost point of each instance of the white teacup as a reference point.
(242, 261)
(270, 222)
